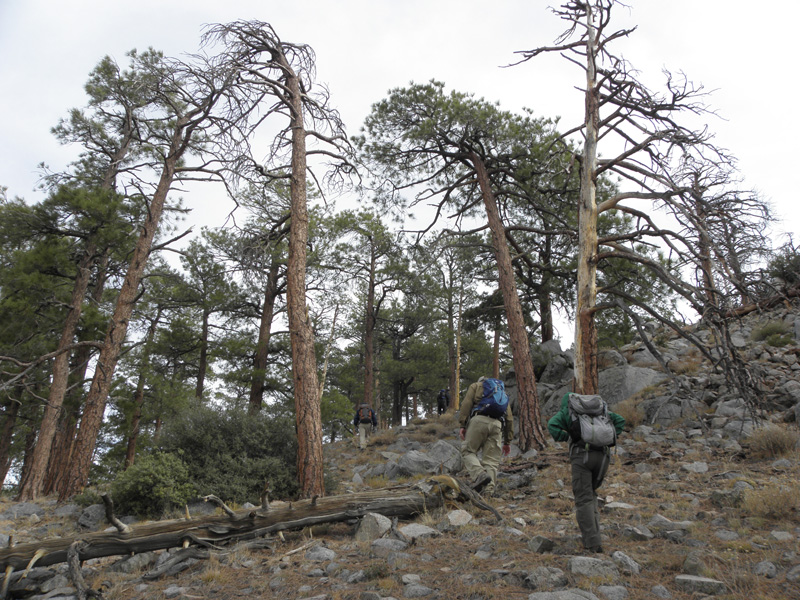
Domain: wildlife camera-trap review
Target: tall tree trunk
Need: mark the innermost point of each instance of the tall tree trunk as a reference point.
(271, 292)
(63, 446)
(30, 443)
(136, 418)
(369, 329)
(328, 346)
(457, 389)
(586, 374)
(377, 399)
(545, 302)
(530, 428)
(138, 398)
(202, 366)
(64, 440)
(31, 485)
(496, 347)
(304, 364)
(9, 422)
(451, 342)
(109, 355)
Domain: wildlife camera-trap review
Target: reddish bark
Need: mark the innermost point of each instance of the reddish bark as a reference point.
(31, 486)
(531, 433)
(308, 413)
(94, 408)
(9, 422)
(271, 292)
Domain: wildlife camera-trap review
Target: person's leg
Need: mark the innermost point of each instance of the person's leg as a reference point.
(363, 428)
(585, 499)
(473, 440)
(492, 452)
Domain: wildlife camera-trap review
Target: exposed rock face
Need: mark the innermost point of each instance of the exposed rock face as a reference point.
(693, 387)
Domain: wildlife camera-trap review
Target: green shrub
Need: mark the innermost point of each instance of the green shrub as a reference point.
(785, 264)
(771, 330)
(153, 486)
(231, 453)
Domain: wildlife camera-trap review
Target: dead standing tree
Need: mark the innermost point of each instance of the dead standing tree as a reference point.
(283, 74)
(651, 145)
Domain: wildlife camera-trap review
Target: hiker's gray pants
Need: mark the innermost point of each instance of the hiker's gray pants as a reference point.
(363, 432)
(484, 435)
(588, 471)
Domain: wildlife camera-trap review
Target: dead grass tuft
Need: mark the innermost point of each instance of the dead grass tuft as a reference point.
(631, 411)
(772, 441)
(774, 501)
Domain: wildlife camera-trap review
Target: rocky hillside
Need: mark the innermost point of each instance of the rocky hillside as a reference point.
(697, 504)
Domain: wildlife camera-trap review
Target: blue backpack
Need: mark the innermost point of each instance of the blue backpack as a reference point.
(494, 401)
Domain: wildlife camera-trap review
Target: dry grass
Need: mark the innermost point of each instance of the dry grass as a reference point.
(631, 411)
(773, 441)
(773, 501)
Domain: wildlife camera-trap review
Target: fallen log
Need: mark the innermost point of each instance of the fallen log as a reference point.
(210, 531)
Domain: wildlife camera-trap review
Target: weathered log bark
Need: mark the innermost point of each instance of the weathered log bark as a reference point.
(398, 501)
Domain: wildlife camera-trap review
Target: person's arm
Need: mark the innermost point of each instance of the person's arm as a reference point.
(465, 409)
(508, 429)
(618, 420)
(558, 425)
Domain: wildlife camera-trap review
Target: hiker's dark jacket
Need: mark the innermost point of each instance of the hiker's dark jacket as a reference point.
(372, 418)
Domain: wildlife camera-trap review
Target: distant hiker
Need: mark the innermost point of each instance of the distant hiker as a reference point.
(443, 401)
(365, 421)
(591, 430)
(486, 427)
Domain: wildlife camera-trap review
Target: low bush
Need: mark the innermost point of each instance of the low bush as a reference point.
(772, 441)
(772, 502)
(774, 333)
(631, 411)
(153, 486)
(232, 454)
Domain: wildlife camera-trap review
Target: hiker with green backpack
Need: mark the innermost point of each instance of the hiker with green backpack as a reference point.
(591, 430)
(487, 426)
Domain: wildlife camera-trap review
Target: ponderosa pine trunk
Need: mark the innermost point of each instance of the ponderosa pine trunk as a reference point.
(545, 302)
(586, 373)
(308, 413)
(30, 487)
(95, 405)
(9, 417)
(203, 358)
(138, 397)
(271, 292)
(369, 330)
(64, 440)
(531, 433)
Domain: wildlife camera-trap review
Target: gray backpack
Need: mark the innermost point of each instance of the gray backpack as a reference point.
(589, 421)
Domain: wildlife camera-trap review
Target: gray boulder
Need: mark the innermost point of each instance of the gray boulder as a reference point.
(92, 516)
(372, 526)
(620, 383)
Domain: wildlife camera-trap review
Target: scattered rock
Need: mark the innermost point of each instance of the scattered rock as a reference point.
(372, 526)
(703, 585)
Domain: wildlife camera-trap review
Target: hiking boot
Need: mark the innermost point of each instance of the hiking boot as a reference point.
(481, 481)
(595, 550)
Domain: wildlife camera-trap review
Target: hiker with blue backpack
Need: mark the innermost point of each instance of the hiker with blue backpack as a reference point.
(591, 430)
(487, 426)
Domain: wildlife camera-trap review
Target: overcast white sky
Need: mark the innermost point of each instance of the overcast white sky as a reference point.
(741, 49)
